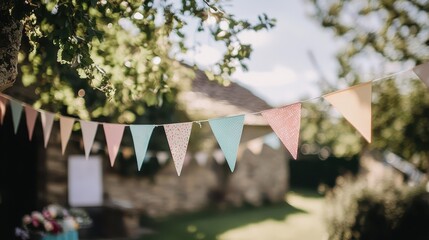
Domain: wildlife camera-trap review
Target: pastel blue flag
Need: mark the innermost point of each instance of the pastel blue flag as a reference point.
(141, 136)
(228, 134)
(16, 113)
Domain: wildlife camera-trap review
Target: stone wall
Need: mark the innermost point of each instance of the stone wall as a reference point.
(259, 177)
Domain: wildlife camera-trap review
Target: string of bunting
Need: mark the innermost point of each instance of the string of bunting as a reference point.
(354, 103)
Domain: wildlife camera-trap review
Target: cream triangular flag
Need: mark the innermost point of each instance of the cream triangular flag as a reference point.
(89, 129)
(30, 117)
(422, 71)
(3, 103)
(355, 105)
(178, 138)
(286, 122)
(66, 127)
(47, 122)
(113, 133)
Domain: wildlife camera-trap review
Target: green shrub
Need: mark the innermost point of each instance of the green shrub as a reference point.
(388, 211)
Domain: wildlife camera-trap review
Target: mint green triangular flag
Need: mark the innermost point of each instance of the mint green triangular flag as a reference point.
(16, 113)
(228, 134)
(141, 136)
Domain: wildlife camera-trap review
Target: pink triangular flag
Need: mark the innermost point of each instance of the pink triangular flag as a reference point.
(422, 71)
(3, 103)
(47, 122)
(30, 117)
(355, 105)
(89, 129)
(178, 138)
(66, 127)
(113, 133)
(286, 122)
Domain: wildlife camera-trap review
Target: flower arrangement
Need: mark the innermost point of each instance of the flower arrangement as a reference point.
(52, 220)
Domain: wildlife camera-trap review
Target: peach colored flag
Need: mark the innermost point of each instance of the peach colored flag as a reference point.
(89, 129)
(30, 118)
(3, 103)
(47, 122)
(422, 71)
(355, 105)
(286, 122)
(113, 133)
(66, 127)
(178, 138)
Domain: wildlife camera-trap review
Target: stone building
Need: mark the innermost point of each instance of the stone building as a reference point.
(261, 173)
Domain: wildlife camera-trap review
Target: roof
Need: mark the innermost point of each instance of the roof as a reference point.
(209, 99)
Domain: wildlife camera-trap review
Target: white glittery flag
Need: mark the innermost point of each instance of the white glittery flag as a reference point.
(178, 139)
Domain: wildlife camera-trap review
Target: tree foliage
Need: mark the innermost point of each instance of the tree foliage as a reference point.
(390, 32)
(95, 58)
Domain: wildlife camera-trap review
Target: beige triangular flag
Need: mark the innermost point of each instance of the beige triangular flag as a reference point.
(422, 71)
(89, 129)
(66, 127)
(47, 122)
(3, 103)
(355, 105)
(30, 117)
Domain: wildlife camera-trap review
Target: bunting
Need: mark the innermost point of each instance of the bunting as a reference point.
(113, 133)
(16, 108)
(47, 122)
(30, 118)
(354, 104)
(422, 71)
(286, 122)
(228, 134)
(66, 127)
(178, 137)
(89, 129)
(141, 135)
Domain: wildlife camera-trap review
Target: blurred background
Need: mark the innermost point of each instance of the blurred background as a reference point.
(160, 62)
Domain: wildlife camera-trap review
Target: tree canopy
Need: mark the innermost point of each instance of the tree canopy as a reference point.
(390, 32)
(95, 58)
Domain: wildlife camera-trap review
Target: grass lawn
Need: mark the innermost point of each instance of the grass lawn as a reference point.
(299, 217)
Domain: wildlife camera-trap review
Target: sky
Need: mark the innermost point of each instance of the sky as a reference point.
(280, 69)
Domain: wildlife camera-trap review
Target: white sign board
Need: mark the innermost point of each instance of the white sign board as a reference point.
(85, 181)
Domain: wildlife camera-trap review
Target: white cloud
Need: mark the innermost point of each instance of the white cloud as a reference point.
(256, 39)
(278, 76)
(281, 85)
(204, 56)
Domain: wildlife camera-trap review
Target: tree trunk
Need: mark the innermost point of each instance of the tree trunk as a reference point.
(10, 42)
